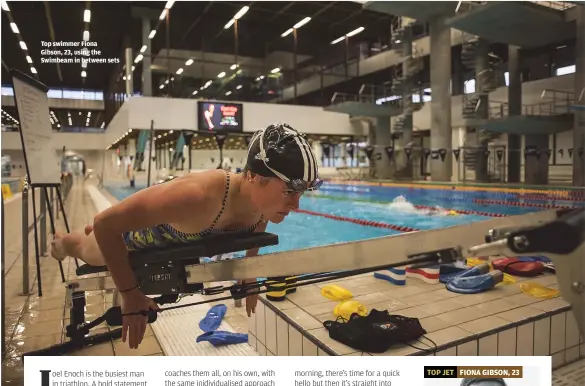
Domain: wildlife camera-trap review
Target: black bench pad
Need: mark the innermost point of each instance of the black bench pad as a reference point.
(206, 247)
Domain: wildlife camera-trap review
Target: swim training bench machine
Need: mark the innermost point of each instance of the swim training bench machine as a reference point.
(174, 272)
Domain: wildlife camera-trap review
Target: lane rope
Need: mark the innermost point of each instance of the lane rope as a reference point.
(375, 224)
(424, 207)
(522, 204)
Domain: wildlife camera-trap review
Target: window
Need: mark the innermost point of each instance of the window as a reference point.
(7, 91)
(469, 86)
(566, 70)
(55, 93)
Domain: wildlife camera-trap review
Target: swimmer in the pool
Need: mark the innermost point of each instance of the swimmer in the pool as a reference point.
(280, 167)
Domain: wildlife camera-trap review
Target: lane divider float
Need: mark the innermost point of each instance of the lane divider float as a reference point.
(549, 198)
(375, 224)
(522, 204)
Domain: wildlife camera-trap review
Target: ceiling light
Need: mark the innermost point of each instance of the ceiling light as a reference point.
(302, 22)
(189, 62)
(355, 31)
(86, 35)
(87, 16)
(241, 12)
(179, 71)
(144, 47)
(28, 59)
(275, 70)
(163, 14)
(162, 86)
(23, 45)
(169, 4)
(151, 34)
(239, 87)
(287, 32)
(33, 70)
(338, 40)
(84, 64)
(5, 6)
(194, 92)
(233, 66)
(228, 93)
(14, 28)
(138, 58)
(221, 74)
(229, 24)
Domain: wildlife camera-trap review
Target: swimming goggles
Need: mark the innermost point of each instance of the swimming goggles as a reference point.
(296, 185)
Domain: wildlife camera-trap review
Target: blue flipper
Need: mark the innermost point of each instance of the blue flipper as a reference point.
(222, 338)
(475, 284)
(212, 320)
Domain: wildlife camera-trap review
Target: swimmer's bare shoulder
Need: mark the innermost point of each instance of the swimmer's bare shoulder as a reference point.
(189, 200)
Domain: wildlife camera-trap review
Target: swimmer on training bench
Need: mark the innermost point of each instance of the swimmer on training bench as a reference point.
(280, 167)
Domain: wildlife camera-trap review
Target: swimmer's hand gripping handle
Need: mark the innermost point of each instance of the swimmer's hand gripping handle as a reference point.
(113, 316)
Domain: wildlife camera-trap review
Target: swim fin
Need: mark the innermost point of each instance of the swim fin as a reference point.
(475, 284)
(222, 338)
(212, 320)
(539, 291)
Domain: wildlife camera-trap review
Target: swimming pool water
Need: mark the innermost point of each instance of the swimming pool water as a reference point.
(301, 230)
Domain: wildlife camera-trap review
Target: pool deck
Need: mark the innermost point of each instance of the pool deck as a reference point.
(503, 321)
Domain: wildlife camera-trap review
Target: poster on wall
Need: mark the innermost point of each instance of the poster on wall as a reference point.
(220, 117)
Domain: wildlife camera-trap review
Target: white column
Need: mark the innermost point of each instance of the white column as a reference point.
(318, 150)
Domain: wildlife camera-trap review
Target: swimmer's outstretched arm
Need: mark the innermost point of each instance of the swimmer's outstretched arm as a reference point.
(179, 201)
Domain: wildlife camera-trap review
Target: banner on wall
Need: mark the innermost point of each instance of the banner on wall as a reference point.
(499, 154)
(426, 153)
(562, 152)
(434, 154)
(350, 150)
(408, 152)
(548, 153)
(178, 154)
(456, 153)
(443, 154)
(369, 151)
(486, 153)
(143, 138)
(570, 151)
(389, 151)
(529, 151)
(326, 149)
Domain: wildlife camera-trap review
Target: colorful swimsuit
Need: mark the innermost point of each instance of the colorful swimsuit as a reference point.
(164, 234)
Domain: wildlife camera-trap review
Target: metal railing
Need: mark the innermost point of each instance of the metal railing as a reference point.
(341, 97)
(558, 5)
(557, 103)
